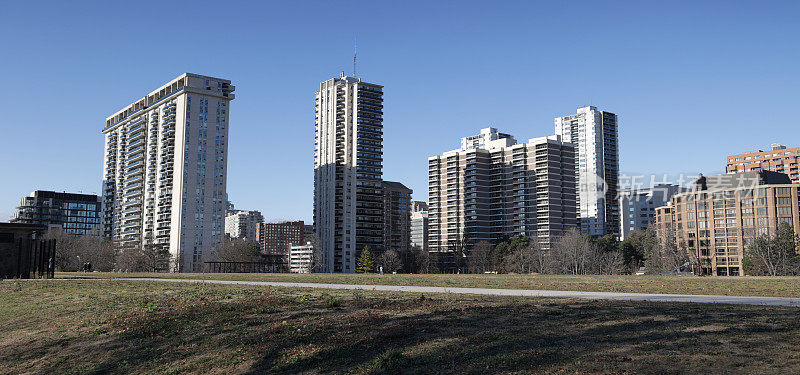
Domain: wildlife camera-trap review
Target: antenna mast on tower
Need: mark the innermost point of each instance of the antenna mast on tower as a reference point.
(355, 53)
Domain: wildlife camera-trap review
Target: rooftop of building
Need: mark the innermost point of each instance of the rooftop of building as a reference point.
(773, 147)
(740, 180)
(349, 79)
(397, 186)
(489, 139)
(79, 197)
(162, 92)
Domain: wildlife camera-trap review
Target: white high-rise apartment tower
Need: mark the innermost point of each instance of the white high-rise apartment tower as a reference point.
(348, 170)
(165, 170)
(594, 134)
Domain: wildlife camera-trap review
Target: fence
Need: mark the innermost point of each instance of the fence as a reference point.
(31, 259)
(268, 266)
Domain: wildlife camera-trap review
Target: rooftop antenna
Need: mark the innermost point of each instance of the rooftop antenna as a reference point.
(355, 53)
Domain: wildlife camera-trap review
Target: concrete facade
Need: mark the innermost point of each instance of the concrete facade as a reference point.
(594, 134)
(396, 216)
(243, 224)
(637, 207)
(493, 188)
(300, 258)
(165, 169)
(419, 225)
(348, 170)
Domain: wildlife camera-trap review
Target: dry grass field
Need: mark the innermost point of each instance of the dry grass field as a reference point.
(116, 326)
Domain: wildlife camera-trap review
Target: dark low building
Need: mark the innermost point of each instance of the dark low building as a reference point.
(396, 216)
(22, 255)
(75, 213)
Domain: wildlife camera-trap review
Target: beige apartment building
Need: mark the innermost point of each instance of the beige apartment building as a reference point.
(493, 187)
(716, 221)
(777, 159)
(165, 170)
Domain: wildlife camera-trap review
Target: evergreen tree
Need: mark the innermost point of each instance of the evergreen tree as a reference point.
(366, 261)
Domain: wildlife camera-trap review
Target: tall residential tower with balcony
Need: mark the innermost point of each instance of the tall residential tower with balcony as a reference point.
(594, 134)
(165, 170)
(493, 187)
(348, 170)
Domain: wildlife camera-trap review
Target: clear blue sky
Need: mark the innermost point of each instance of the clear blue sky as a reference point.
(691, 81)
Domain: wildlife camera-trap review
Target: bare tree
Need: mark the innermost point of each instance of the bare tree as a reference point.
(572, 254)
(667, 255)
(390, 261)
(422, 261)
(776, 255)
(72, 251)
(318, 260)
(149, 258)
(479, 259)
(527, 259)
(458, 249)
(609, 262)
(238, 250)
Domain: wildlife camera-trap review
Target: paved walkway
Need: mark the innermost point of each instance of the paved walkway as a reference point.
(736, 300)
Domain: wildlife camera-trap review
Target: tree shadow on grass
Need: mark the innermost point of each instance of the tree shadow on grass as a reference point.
(377, 333)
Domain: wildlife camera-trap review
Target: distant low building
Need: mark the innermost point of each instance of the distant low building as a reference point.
(637, 207)
(74, 213)
(419, 225)
(396, 216)
(276, 238)
(301, 258)
(243, 224)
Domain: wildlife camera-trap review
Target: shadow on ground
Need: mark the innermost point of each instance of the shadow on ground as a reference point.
(287, 331)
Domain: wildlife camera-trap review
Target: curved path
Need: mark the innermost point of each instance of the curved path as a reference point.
(736, 300)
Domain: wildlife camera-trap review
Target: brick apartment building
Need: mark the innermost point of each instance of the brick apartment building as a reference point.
(777, 159)
(716, 221)
(276, 238)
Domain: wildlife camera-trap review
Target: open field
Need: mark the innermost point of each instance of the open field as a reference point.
(730, 286)
(79, 326)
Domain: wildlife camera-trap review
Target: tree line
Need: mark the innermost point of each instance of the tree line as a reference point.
(571, 253)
